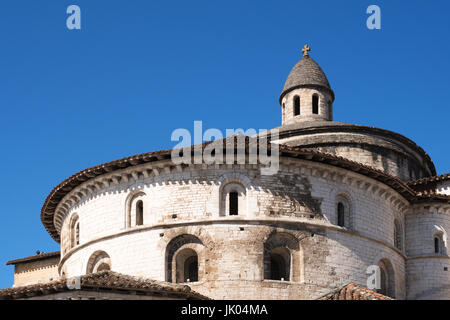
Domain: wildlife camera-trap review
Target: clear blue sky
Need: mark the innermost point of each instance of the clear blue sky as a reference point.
(140, 69)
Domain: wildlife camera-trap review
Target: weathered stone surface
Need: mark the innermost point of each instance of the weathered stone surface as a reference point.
(231, 249)
(36, 272)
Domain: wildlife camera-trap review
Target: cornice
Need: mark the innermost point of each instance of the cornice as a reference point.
(127, 170)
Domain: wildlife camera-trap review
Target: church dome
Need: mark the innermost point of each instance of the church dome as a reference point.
(306, 73)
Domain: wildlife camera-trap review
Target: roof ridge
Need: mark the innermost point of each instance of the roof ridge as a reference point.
(437, 178)
(35, 257)
(352, 291)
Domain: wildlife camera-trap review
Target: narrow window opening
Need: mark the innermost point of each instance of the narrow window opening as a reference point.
(437, 246)
(77, 234)
(139, 213)
(74, 231)
(234, 207)
(341, 214)
(296, 106)
(397, 235)
(315, 104)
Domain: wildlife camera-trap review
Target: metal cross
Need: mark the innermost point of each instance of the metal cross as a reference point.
(305, 50)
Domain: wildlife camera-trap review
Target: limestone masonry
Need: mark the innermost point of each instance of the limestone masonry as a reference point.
(346, 197)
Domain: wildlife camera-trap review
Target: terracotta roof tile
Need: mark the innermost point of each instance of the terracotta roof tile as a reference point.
(439, 178)
(105, 280)
(354, 292)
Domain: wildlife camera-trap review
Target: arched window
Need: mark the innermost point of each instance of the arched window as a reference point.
(74, 231)
(135, 214)
(98, 261)
(439, 245)
(387, 278)
(233, 199)
(315, 104)
(281, 255)
(296, 106)
(341, 214)
(139, 213)
(398, 235)
(183, 259)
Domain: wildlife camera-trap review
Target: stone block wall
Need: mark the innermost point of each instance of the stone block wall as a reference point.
(389, 156)
(298, 203)
(428, 275)
(33, 272)
(306, 106)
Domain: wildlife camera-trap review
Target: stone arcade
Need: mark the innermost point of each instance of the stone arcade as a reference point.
(345, 197)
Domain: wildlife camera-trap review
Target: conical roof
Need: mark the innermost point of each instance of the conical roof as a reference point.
(306, 73)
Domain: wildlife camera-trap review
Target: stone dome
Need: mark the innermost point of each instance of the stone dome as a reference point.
(306, 73)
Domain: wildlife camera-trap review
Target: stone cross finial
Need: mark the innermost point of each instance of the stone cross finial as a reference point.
(305, 50)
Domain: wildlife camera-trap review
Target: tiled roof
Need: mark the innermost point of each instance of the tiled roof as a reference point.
(439, 178)
(58, 193)
(353, 292)
(36, 257)
(108, 281)
(306, 73)
(427, 187)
